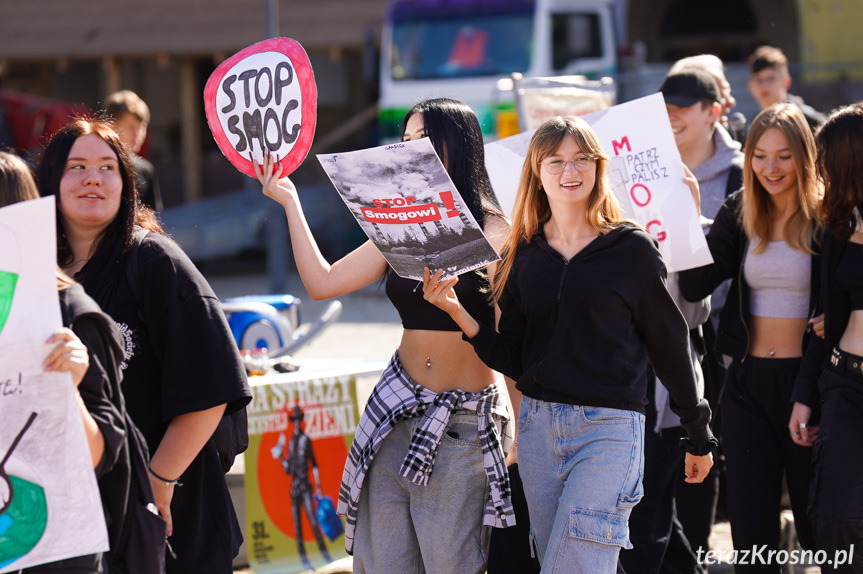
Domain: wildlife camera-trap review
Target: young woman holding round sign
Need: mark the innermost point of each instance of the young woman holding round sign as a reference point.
(583, 302)
(766, 239)
(436, 405)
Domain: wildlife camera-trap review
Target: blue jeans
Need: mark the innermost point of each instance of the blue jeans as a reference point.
(405, 528)
(582, 469)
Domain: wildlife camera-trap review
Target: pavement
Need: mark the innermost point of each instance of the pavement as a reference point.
(369, 328)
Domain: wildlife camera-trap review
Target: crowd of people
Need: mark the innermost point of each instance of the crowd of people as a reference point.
(576, 346)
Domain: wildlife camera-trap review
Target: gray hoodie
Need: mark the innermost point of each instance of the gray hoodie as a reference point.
(712, 175)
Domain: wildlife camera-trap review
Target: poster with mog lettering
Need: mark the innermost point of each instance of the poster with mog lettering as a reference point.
(645, 174)
(406, 203)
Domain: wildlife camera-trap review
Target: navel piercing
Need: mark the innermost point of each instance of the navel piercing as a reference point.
(772, 352)
(428, 361)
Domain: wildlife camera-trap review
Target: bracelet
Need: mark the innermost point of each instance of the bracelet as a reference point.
(165, 480)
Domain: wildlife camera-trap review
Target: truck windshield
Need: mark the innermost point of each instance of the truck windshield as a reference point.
(486, 45)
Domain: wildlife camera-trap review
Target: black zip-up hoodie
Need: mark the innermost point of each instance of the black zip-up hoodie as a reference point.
(728, 244)
(581, 331)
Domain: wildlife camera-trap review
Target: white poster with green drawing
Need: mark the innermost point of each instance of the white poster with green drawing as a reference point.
(50, 507)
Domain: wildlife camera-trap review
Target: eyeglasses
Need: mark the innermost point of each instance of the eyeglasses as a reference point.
(581, 163)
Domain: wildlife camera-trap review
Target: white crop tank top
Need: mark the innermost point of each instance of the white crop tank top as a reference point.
(779, 281)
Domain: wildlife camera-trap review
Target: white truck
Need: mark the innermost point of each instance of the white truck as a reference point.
(468, 49)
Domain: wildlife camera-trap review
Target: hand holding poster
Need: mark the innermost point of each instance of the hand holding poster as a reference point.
(50, 508)
(406, 203)
(645, 172)
(263, 98)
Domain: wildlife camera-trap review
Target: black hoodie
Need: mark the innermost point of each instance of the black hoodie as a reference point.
(582, 331)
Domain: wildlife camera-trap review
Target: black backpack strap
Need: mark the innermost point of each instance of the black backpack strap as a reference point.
(735, 179)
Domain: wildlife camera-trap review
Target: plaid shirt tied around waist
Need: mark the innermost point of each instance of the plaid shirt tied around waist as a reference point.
(396, 397)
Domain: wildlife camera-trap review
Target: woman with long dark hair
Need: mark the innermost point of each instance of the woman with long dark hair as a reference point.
(831, 379)
(583, 303)
(766, 239)
(434, 397)
(182, 370)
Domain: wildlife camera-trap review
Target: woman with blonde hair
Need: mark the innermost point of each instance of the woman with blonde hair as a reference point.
(766, 239)
(583, 303)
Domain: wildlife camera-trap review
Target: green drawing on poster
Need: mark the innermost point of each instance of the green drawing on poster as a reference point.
(24, 522)
(8, 280)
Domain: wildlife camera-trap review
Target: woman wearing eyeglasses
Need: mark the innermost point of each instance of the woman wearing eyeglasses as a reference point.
(583, 303)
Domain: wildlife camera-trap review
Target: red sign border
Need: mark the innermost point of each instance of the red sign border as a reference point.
(309, 91)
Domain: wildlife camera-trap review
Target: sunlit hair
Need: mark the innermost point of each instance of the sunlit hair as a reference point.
(532, 210)
(16, 180)
(840, 149)
(707, 62)
(455, 133)
(756, 207)
(17, 185)
(116, 239)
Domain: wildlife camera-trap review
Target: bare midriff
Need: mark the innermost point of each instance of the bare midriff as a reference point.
(852, 338)
(771, 337)
(441, 361)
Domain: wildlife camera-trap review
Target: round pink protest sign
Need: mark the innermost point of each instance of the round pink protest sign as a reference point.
(263, 98)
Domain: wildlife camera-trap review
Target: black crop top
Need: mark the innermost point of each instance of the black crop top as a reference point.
(417, 313)
(849, 274)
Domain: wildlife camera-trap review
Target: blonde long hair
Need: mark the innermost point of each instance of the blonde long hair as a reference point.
(532, 209)
(756, 207)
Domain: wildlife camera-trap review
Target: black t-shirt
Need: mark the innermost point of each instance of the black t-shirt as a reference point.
(181, 358)
(100, 391)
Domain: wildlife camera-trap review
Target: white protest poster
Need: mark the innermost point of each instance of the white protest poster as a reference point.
(404, 200)
(50, 507)
(504, 160)
(647, 176)
(645, 172)
(263, 98)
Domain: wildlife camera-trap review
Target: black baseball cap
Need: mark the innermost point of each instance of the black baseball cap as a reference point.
(688, 87)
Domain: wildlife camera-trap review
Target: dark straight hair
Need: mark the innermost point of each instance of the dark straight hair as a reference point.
(455, 133)
(840, 149)
(101, 272)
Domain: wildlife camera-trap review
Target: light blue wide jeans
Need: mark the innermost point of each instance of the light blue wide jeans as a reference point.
(582, 469)
(405, 528)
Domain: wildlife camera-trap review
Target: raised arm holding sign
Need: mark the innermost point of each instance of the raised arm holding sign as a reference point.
(433, 367)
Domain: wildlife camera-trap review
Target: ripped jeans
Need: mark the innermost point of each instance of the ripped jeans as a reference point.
(582, 469)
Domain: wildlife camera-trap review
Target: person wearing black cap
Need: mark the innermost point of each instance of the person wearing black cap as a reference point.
(692, 99)
(295, 461)
(673, 521)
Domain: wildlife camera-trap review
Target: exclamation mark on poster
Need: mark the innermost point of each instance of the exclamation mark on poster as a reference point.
(449, 203)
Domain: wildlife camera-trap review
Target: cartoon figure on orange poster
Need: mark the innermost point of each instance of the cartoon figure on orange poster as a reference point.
(296, 460)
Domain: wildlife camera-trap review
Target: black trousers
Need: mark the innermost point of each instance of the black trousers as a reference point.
(661, 542)
(759, 451)
(836, 496)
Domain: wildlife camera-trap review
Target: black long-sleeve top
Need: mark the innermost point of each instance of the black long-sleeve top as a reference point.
(836, 306)
(581, 331)
(728, 244)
